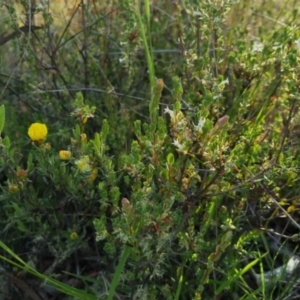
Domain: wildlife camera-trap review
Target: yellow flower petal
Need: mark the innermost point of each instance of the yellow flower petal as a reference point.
(83, 164)
(37, 132)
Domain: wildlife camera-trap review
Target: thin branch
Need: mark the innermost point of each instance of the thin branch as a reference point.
(4, 37)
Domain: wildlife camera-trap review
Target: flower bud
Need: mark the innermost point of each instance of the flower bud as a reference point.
(83, 138)
(65, 155)
(47, 146)
(73, 236)
(13, 188)
(21, 174)
(222, 121)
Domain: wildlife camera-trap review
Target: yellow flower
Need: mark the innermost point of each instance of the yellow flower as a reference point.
(37, 132)
(74, 236)
(83, 164)
(93, 175)
(65, 155)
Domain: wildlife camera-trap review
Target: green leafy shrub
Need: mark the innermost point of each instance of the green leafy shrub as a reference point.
(183, 187)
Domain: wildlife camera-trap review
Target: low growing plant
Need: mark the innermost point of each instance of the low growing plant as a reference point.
(190, 193)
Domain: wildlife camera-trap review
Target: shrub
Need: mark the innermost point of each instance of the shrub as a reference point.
(182, 187)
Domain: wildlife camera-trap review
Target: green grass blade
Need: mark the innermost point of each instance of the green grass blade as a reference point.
(144, 32)
(2, 117)
(179, 285)
(118, 272)
(67, 289)
(238, 275)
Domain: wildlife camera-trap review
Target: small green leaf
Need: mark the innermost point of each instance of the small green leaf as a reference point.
(170, 159)
(97, 143)
(137, 128)
(77, 130)
(18, 210)
(79, 101)
(21, 226)
(177, 106)
(104, 130)
(6, 142)
(226, 238)
(30, 162)
(62, 168)
(2, 117)
(177, 87)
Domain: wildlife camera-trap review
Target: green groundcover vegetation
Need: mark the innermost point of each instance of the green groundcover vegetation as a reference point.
(150, 150)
